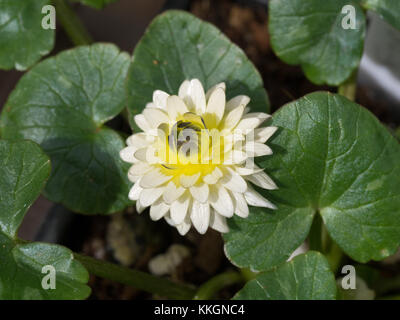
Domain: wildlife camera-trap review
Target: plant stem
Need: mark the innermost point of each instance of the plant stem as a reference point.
(319, 240)
(139, 280)
(349, 87)
(71, 23)
(212, 286)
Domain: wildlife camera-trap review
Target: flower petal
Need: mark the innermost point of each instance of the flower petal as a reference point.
(220, 85)
(139, 207)
(232, 118)
(188, 181)
(172, 192)
(236, 102)
(153, 179)
(257, 149)
(213, 177)
(139, 169)
(160, 99)
(128, 154)
(241, 208)
(179, 208)
(193, 95)
(263, 134)
(200, 216)
(221, 201)
(216, 105)
(158, 210)
(218, 222)
(262, 180)
(139, 140)
(233, 181)
(184, 227)
(142, 122)
(251, 121)
(155, 117)
(149, 196)
(175, 107)
(200, 192)
(135, 191)
(253, 198)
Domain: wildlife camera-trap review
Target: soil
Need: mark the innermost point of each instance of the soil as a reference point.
(133, 240)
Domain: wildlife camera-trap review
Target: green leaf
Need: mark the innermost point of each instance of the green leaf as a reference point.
(179, 46)
(62, 104)
(331, 157)
(24, 169)
(306, 277)
(23, 41)
(98, 4)
(387, 9)
(310, 33)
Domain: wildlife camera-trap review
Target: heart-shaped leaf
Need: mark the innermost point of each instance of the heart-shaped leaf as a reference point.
(23, 41)
(98, 4)
(310, 33)
(24, 169)
(331, 157)
(179, 46)
(387, 9)
(306, 277)
(62, 104)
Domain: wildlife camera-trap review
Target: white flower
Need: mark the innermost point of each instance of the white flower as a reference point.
(192, 164)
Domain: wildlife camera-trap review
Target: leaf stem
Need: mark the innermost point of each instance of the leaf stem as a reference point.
(215, 284)
(319, 240)
(137, 279)
(349, 87)
(71, 23)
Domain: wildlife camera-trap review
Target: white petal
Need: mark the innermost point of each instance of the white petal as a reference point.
(218, 222)
(213, 177)
(172, 192)
(236, 102)
(184, 227)
(216, 104)
(257, 149)
(147, 154)
(128, 154)
(154, 178)
(155, 117)
(167, 218)
(188, 181)
(245, 171)
(200, 216)
(263, 134)
(220, 85)
(193, 95)
(139, 140)
(175, 107)
(253, 198)
(179, 209)
(233, 181)
(232, 118)
(158, 210)
(200, 192)
(135, 191)
(251, 121)
(149, 196)
(262, 180)
(142, 122)
(139, 207)
(221, 201)
(235, 156)
(241, 208)
(160, 99)
(139, 169)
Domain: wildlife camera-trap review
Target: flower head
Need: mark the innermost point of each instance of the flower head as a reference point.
(193, 162)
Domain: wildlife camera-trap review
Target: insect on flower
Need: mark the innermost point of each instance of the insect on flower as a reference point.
(193, 162)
